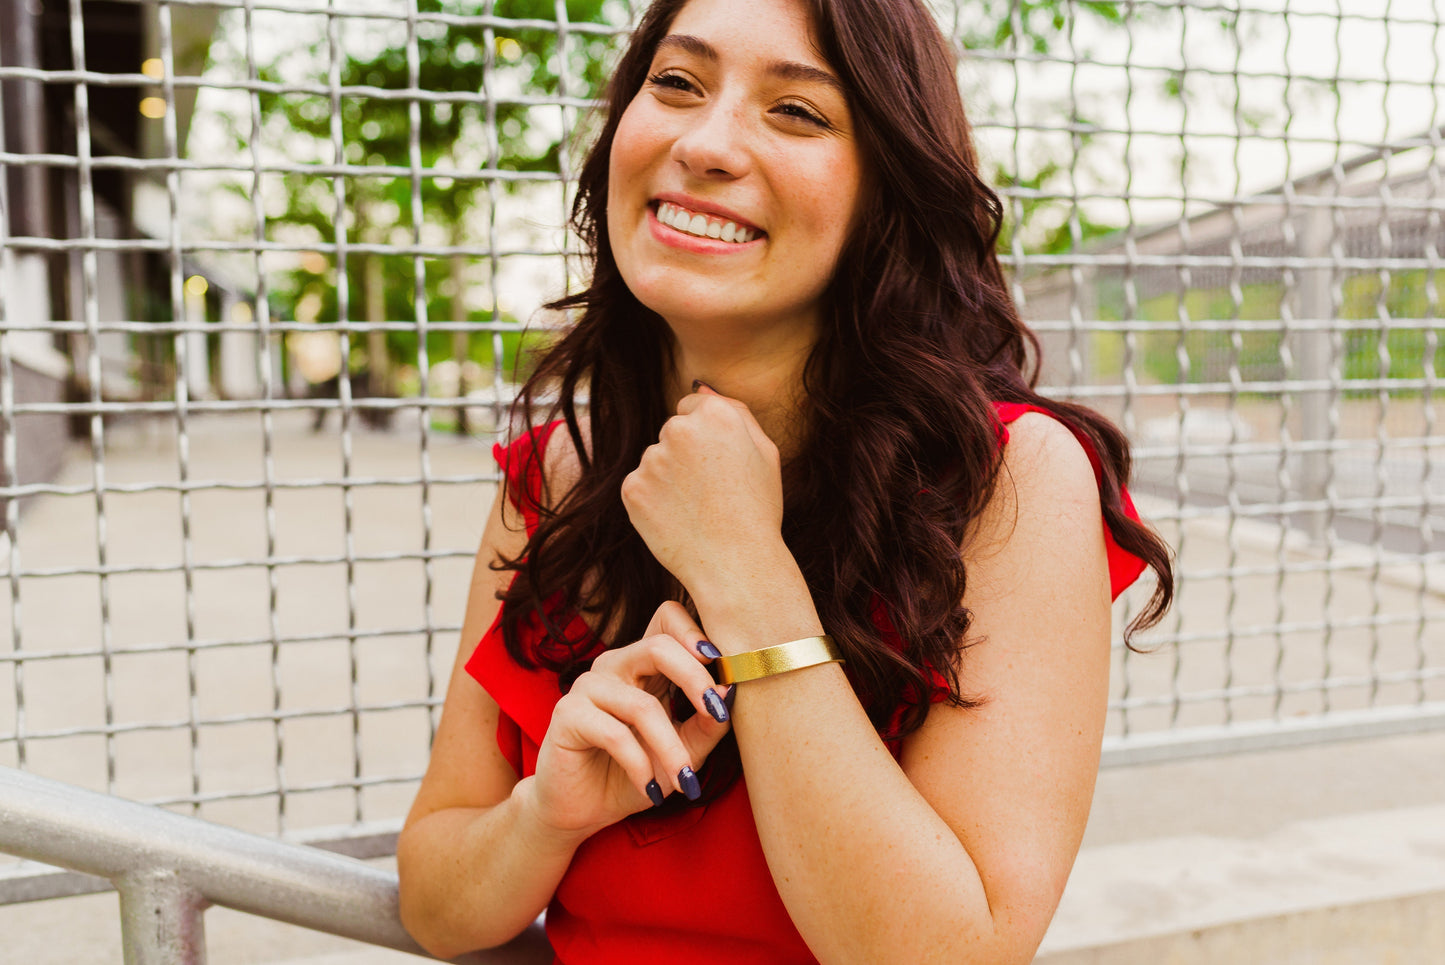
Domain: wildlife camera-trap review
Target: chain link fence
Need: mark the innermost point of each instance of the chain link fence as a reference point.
(268, 272)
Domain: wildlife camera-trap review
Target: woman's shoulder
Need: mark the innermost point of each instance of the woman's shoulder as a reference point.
(1045, 464)
(1051, 473)
(1035, 441)
(1044, 511)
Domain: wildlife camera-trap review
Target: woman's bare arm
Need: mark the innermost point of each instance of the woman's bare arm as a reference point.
(482, 852)
(476, 865)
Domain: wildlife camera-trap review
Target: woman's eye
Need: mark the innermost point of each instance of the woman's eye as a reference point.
(670, 81)
(802, 113)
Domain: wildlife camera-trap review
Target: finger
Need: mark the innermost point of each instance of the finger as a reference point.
(653, 727)
(700, 734)
(663, 657)
(673, 619)
(694, 400)
(585, 725)
(703, 390)
(690, 404)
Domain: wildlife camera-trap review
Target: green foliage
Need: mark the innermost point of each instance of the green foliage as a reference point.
(1404, 332)
(1044, 225)
(1404, 344)
(1042, 218)
(1037, 24)
(1212, 354)
(451, 59)
(452, 128)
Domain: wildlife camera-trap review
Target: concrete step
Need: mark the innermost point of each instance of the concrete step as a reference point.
(1398, 931)
(1355, 888)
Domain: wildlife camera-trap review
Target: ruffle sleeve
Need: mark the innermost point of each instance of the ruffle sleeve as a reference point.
(525, 696)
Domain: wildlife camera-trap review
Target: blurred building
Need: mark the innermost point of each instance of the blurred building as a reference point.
(82, 133)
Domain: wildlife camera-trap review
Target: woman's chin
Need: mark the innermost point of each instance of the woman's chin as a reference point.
(685, 311)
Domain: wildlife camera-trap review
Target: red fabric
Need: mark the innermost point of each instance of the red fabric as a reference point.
(662, 888)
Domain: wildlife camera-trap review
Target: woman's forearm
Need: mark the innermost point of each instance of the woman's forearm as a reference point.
(477, 877)
(867, 869)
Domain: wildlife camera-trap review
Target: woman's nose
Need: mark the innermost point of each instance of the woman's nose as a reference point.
(715, 145)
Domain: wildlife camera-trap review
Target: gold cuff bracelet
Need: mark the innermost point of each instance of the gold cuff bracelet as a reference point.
(795, 655)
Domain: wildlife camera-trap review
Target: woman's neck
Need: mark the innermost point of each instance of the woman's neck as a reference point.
(769, 380)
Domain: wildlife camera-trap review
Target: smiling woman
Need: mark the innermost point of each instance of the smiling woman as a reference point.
(798, 649)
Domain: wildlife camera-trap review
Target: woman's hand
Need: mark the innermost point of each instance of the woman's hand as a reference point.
(613, 748)
(709, 494)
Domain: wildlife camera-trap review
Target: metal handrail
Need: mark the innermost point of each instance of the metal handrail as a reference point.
(168, 868)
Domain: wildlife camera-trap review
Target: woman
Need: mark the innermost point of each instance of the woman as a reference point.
(809, 415)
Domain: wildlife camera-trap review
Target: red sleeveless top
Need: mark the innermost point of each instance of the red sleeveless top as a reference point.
(638, 891)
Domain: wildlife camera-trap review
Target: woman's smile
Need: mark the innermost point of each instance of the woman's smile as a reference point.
(701, 225)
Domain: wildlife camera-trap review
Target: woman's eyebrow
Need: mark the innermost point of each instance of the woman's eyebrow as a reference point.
(806, 73)
(783, 69)
(692, 45)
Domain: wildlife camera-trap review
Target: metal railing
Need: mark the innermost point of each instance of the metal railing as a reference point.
(167, 868)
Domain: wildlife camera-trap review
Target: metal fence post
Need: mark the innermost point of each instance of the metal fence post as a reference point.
(161, 919)
(1313, 354)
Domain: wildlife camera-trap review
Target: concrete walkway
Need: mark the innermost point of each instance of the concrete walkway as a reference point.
(272, 738)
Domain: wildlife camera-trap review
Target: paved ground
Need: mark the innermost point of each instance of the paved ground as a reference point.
(271, 737)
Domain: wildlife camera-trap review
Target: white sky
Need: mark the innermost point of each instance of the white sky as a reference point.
(1391, 88)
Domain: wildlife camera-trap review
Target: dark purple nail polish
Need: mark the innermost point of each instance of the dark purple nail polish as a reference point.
(687, 780)
(715, 705)
(708, 650)
(654, 793)
(728, 697)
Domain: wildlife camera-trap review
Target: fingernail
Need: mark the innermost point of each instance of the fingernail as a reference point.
(700, 384)
(715, 705)
(654, 793)
(708, 650)
(728, 697)
(687, 780)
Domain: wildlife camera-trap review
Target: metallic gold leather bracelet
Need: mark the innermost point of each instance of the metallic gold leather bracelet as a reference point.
(794, 655)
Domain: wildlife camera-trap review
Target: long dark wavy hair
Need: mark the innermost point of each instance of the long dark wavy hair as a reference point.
(900, 441)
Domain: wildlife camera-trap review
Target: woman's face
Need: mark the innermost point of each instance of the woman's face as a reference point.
(735, 176)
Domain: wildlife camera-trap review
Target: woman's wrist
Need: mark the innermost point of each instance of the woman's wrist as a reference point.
(723, 572)
(762, 606)
(547, 838)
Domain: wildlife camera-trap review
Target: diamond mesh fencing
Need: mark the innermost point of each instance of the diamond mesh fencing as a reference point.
(271, 271)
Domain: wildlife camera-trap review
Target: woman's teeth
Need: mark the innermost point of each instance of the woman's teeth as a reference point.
(702, 226)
